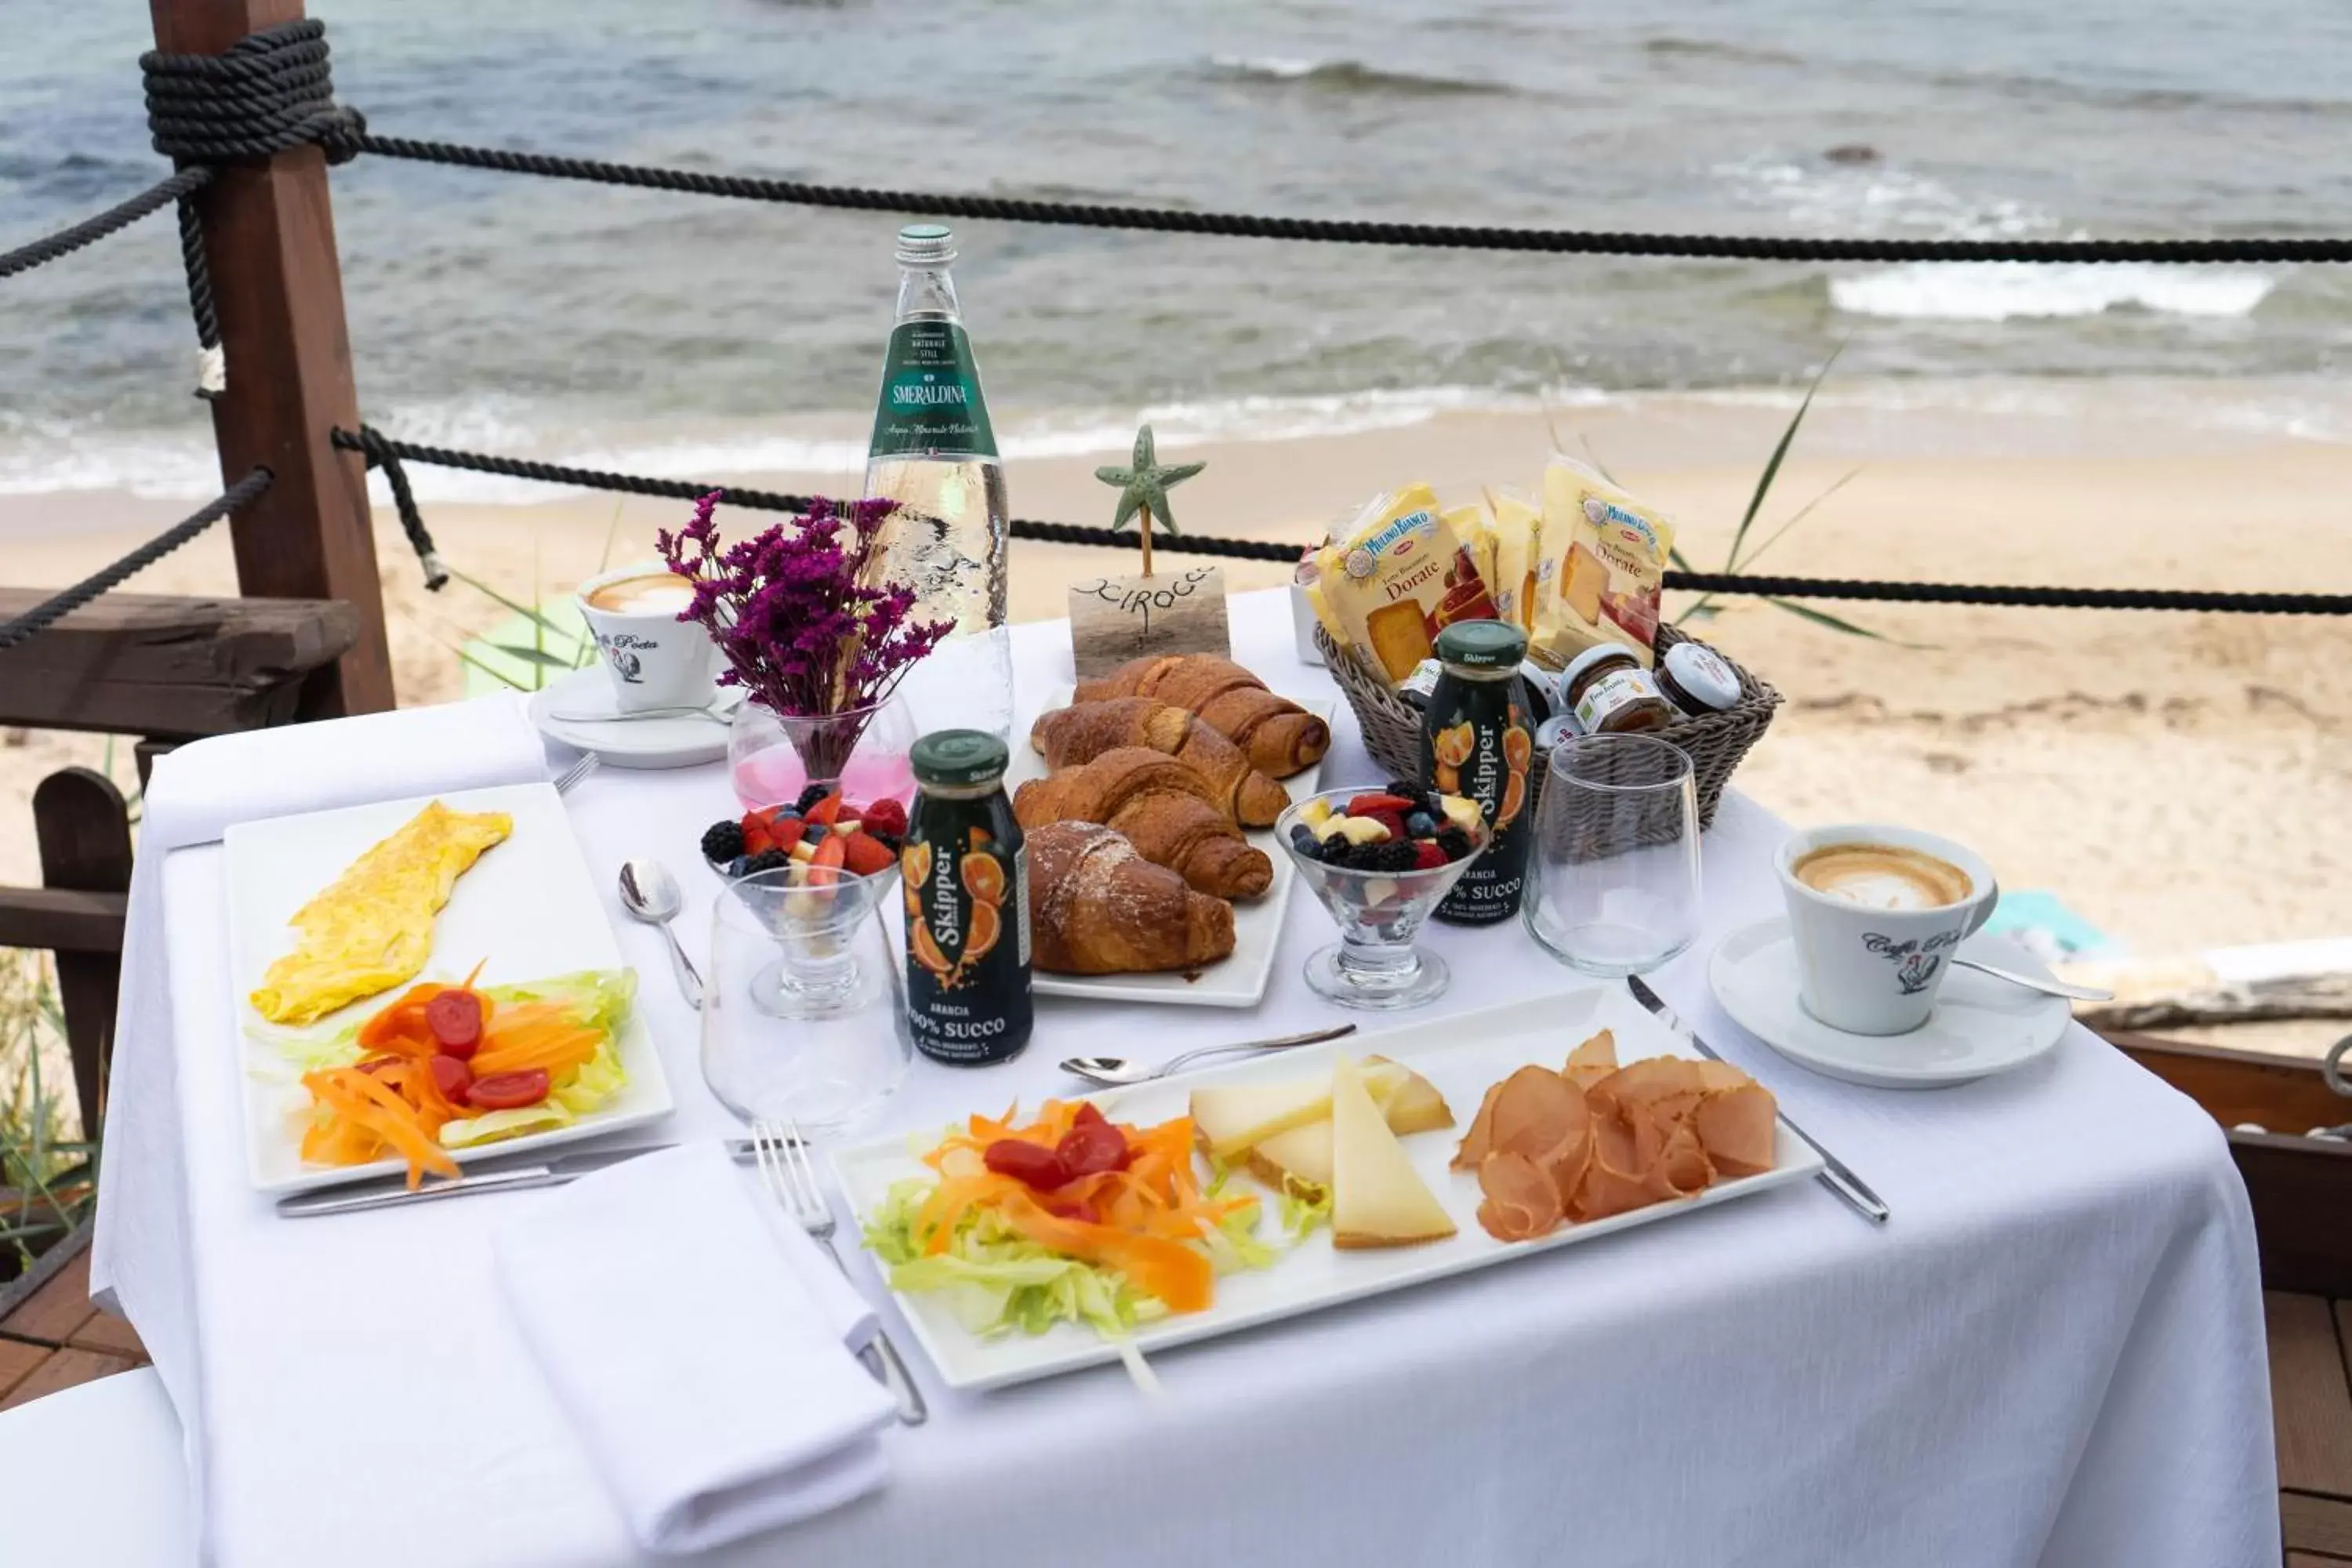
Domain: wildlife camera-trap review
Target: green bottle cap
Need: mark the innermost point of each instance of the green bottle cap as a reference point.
(1482, 645)
(957, 758)
(925, 245)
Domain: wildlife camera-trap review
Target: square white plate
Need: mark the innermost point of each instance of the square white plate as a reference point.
(1239, 981)
(1461, 1054)
(526, 911)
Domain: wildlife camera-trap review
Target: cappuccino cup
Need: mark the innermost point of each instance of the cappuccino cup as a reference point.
(1875, 913)
(654, 659)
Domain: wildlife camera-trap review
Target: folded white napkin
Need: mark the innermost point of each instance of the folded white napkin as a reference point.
(193, 797)
(701, 1342)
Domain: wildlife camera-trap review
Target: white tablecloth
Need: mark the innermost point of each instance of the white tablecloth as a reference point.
(2054, 1353)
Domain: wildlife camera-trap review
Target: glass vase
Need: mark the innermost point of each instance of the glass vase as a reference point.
(772, 758)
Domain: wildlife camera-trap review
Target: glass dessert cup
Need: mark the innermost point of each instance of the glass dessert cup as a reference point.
(811, 926)
(1374, 965)
(862, 751)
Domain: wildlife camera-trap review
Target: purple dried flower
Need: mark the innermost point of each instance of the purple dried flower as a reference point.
(805, 628)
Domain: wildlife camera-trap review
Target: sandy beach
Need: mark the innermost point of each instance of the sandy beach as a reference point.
(2179, 781)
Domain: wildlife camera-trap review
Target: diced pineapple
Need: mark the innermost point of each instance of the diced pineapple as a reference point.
(1461, 811)
(1315, 813)
(1362, 830)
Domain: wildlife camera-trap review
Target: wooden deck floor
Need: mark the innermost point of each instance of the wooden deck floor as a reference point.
(2311, 1402)
(54, 1339)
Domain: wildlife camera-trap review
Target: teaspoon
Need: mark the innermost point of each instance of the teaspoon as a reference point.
(650, 894)
(2035, 983)
(1119, 1072)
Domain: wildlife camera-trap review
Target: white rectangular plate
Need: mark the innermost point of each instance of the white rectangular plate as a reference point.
(526, 911)
(1239, 981)
(1462, 1054)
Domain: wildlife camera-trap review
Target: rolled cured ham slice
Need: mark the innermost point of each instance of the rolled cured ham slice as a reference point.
(1735, 1126)
(1522, 1201)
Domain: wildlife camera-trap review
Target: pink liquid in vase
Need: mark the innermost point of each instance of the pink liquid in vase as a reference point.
(775, 775)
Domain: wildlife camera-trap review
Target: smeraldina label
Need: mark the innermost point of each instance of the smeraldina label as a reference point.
(930, 395)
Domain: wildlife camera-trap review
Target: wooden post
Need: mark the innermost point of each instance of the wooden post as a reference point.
(84, 829)
(269, 237)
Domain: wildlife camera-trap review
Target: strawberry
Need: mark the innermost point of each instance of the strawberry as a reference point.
(831, 851)
(1374, 804)
(885, 816)
(786, 832)
(1392, 820)
(757, 839)
(1427, 856)
(864, 854)
(825, 810)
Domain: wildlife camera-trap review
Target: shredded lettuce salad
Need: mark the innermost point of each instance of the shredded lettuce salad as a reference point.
(998, 1282)
(598, 998)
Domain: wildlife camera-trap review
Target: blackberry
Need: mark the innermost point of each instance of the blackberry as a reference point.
(1405, 788)
(767, 860)
(1339, 852)
(722, 841)
(1396, 854)
(1454, 842)
(809, 797)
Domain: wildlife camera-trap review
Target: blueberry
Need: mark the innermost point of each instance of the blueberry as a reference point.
(1303, 839)
(813, 832)
(738, 866)
(1420, 825)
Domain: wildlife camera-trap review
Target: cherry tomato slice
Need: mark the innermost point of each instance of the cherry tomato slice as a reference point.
(455, 1019)
(1031, 1164)
(507, 1091)
(1092, 1144)
(451, 1076)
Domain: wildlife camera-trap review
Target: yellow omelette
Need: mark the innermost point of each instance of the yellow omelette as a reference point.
(371, 928)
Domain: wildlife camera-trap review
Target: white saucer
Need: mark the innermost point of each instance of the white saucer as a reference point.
(681, 743)
(1980, 1025)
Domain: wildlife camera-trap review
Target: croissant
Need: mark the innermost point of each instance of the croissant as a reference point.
(1277, 734)
(1085, 730)
(1095, 907)
(1159, 805)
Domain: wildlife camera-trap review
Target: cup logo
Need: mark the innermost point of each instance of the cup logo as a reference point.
(1916, 962)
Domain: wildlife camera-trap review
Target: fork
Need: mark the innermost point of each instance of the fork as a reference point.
(580, 770)
(783, 1155)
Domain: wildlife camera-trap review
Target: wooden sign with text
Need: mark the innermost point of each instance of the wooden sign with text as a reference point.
(1113, 619)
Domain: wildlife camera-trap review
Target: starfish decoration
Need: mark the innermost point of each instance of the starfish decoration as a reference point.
(1144, 486)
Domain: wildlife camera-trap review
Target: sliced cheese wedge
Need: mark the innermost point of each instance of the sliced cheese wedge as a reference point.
(1378, 1199)
(1230, 1118)
(1409, 1102)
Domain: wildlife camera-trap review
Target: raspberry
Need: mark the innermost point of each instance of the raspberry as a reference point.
(885, 818)
(1427, 856)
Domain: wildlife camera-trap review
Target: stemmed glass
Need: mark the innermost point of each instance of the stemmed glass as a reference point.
(1612, 875)
(1374, 964)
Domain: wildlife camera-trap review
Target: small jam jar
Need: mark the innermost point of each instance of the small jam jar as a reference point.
(1611, 694)
(1697, 680)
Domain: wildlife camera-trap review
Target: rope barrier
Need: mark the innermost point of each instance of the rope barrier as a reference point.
(1172, 220)
(370, 441)
(269, 92)
(90, 230)
(59, 606)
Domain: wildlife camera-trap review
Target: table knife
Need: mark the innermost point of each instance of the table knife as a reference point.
(1852, 1189)
(390, 1191)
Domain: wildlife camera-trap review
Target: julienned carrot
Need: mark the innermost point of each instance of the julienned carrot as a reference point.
(357, 1098)
(1147, 1218)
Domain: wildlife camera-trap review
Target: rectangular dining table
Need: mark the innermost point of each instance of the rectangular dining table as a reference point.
(2051, 1354)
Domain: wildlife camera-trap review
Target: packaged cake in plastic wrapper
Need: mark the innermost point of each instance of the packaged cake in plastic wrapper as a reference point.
(1606, 553)
(1401, 570)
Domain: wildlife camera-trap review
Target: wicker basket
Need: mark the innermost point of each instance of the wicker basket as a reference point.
(1715, 741)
